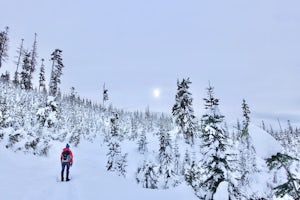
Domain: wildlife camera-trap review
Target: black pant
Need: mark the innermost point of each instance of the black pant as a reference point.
(64, 165)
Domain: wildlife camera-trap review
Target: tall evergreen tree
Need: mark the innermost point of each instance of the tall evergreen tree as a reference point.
(289, 133)
(148, 120)
(214, 144)
(166, 167)
(116, 161)
(176, 158)
(56, 72)
(134, 128)
(4, 45)
(29, 68)
(247, 155)
(42, 85)
(25, 74)
(183, 112)
(114, 146)
(105, 95)
(246, 119)
(18, 62)
(33, 59)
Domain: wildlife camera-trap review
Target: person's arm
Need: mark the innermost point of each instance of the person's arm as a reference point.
(71, 157)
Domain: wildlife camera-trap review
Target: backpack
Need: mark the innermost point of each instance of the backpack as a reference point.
(66, 157)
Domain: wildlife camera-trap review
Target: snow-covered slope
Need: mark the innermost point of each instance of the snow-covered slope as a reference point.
(29, 177)
(23, 133)
(265, 145)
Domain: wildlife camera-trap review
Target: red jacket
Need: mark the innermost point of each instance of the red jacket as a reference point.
(71, 154)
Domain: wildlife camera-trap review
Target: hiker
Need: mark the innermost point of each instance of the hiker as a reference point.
(66, 159)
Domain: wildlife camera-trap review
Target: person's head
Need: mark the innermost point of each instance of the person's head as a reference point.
(67, 146)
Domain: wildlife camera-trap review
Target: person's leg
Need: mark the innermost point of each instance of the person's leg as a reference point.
(63, 165)
(68, 168)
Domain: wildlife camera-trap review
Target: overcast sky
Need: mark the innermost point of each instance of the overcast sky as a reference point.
(246, 49)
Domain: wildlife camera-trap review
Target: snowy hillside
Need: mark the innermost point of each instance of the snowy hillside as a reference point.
(28, 177)
(133, 155)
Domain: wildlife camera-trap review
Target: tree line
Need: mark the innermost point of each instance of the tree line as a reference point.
(27, 61)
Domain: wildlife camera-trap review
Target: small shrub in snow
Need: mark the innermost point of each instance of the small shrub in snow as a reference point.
(32, 144)
(13, 139)
(47, 116)
(1, 136)
(147, 175)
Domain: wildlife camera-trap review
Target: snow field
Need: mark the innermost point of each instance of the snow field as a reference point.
(28, 177)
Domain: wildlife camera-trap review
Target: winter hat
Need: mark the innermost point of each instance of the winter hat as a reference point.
(67, 146)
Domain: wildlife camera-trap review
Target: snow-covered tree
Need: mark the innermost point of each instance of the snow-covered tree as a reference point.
(5, 77)
(148, 123)
(18, 62)
(25, 74)
(142, 142)
(192, 176)
(116, 161)
(105, 95)
(75, 137)
(122, 165)
(114, 146)
(166, 166)
(186, 162)
(47, 116)
(183, 112)
(33, 61)
(176, 158)
(114, 152)
(115, 130)
(292, 186)
(3, 45)
(4, 115)
(75, 122)
(214, 143)
(134, 128)
(246, 117)
(42, 85)
(56, 72)
(247, 155)
(147, 175)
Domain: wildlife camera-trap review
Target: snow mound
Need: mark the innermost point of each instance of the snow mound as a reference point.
(264, 144)
(222, 191)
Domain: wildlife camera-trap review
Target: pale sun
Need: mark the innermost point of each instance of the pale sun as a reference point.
(156, 93)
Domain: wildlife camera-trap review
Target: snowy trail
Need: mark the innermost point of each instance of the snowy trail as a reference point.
(28, 177)
(49, 186)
